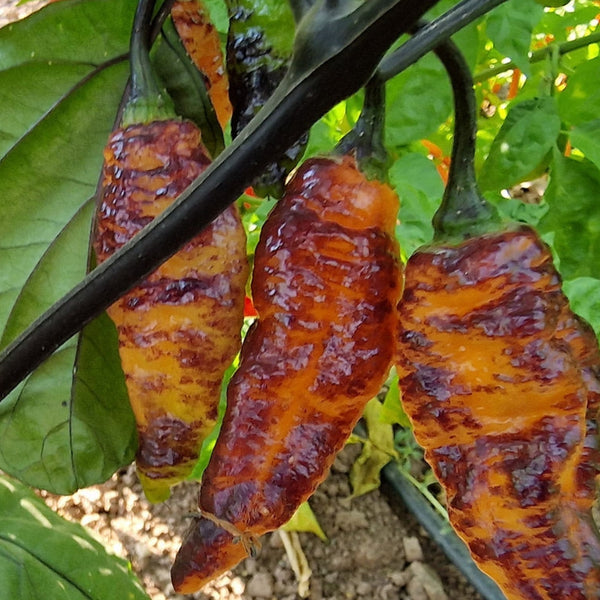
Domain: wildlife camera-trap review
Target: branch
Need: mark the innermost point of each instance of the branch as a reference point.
(432, 34)
(336, 51)
(541, 54)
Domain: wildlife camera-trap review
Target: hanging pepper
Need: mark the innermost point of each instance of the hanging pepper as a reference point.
(201, 40)
(501, 380)
(326, 281)
(179, 329)
(259, 48)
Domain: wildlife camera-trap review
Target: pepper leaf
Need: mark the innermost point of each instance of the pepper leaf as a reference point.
(584, 296)
(523, 144)
(69, 424)
(573, 217)
(305, 520)
(585, 138)
(417, 101)
(70, 564)
(510, 26)
(377, 451)
(580, 101)
(420, 189)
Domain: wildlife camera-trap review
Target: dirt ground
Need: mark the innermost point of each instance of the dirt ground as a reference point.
(375, 548)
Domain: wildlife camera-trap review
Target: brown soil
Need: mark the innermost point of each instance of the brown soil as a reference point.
(375, 548)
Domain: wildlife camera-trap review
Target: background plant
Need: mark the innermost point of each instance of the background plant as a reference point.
(68, 424)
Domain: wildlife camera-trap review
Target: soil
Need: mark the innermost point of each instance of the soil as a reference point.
(375, 548)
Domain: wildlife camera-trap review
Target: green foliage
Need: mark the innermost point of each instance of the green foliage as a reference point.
(420, 189)
(522, 145)
(573, 216)
(69, 424)
(377, 450)
(43, 556)
(580, 101)
(510, 26)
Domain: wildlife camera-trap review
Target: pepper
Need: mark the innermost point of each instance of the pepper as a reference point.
(325, 284)
(500, 381)
(201, 41)
(179, 329)
(259, 48)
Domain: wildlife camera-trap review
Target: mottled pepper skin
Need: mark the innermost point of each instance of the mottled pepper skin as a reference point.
(201, 41)
(180, 328)
(256, 65)
(326, 281)
(500, 380)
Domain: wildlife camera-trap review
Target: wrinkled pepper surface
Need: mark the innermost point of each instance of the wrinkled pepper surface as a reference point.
(500, 381)
(326, 281)
(259, 48)
(179, 329)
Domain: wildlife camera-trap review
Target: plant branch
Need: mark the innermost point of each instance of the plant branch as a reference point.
(336, 50)
(432, 34)
(541, 54)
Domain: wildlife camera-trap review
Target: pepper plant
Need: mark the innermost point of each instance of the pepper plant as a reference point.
(65, 422)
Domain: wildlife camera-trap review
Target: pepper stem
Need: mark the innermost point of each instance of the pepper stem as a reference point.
(463, 212)
(366, 140)
(147, 102)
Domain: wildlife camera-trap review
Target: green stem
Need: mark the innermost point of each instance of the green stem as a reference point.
(366, 140)
(539, 55)
(146, 102)
(429, 35)
(463, 211)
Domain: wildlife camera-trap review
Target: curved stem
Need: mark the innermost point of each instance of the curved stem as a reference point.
(432, 34)
(463, 211)
(337, 53)
(541, 54)
(366, 140)
(146, 102)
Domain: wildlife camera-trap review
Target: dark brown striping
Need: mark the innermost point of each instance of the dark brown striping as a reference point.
(326, 280)
(166, 442)
(179, 329)
(501, 382)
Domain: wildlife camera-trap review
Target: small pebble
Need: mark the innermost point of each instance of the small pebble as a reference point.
(412, 549)
(260, 586)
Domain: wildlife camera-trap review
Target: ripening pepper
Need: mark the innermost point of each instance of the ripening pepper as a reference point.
(179, 329)
(500, 381)
(201, 41)
(259, 48)
(325, 284)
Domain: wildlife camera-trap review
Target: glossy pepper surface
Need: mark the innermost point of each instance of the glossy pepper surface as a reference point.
(180, 328)
(501, 381)
(326, 280)
(259, 48)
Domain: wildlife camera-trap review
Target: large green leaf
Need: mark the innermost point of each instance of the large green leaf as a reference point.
(584, 296)
(87, 32)
(510, 26)
(523, 144)
(42, 556)
(417, 101)
(69, 424)
(573, 217)
(32, 89)
(580, 101)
